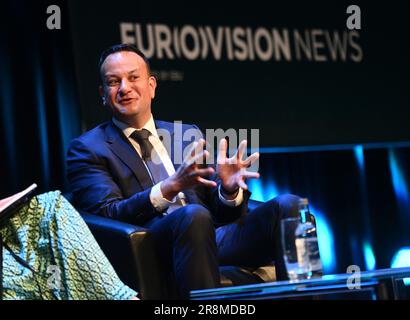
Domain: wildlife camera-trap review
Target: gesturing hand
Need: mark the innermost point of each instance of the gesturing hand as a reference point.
(189, 174)
(232, 171)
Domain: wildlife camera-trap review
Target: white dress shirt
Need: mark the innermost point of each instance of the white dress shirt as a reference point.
(158, 201)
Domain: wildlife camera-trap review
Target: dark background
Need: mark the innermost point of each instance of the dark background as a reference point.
(348, 120)
(295, 103)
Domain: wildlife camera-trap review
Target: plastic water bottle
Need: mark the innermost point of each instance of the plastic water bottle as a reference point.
(307, 246)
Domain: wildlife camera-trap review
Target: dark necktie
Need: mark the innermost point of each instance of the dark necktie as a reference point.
(150, 156)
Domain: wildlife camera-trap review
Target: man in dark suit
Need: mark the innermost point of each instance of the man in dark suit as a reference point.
(125, 169)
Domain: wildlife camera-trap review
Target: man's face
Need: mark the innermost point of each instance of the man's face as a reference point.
(127, 87)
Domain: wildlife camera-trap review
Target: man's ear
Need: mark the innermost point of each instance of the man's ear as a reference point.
(102, 94)
(152, 85)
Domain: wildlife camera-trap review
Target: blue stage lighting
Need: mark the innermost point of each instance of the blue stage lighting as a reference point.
(401, 258)
(369, 258)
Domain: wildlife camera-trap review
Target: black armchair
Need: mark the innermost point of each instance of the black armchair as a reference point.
(130, 250)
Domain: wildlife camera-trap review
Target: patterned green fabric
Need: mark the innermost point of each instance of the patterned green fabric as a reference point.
(51, 236)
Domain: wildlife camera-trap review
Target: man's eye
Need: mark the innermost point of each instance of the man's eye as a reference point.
(113, 82)
(133, 78)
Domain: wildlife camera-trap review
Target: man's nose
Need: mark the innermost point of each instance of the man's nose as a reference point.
(124, 87)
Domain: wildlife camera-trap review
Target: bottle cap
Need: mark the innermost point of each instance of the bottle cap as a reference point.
(303, 201)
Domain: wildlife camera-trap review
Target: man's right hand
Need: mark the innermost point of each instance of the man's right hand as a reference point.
(189, 174)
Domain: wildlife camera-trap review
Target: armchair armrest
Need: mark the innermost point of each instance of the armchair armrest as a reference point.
(130, 250)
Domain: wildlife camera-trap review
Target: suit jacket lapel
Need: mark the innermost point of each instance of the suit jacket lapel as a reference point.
(175, 131)
(120, 145)
(176, 136)
(167, 128)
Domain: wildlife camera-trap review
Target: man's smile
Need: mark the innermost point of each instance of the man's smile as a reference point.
(126, 100)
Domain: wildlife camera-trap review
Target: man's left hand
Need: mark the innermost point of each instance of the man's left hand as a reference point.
(232, 171)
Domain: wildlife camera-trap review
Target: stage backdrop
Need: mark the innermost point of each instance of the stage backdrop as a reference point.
(294, 71)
